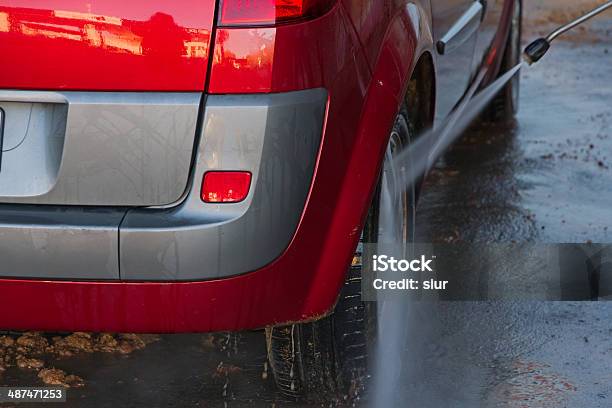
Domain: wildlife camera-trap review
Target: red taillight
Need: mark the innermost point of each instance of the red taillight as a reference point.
(266, 12)
(225, 186)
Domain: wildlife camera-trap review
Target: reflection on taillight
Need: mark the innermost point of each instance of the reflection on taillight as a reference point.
(225, 186)
(266, 12)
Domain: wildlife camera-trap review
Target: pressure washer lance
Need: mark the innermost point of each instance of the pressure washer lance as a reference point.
(413, 161)
(537, 49)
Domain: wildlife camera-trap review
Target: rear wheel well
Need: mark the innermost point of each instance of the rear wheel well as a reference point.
(421, 93)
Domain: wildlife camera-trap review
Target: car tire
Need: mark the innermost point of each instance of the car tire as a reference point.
(329, 358)
(505, 105)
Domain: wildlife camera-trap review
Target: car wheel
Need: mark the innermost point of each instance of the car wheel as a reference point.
(505, 105)
(329, 358)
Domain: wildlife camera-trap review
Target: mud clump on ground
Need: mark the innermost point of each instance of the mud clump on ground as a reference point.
(34, 351)
(80, 342)
(25, 362)
(75, 343)
(31, 341)
(54, 376)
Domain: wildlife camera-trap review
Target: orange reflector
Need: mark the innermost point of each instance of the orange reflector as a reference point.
(225, 186)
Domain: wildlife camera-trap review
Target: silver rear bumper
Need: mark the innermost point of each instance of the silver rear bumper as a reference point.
(96, 148)
(276, 137)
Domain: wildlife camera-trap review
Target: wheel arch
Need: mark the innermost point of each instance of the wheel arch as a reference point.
(406, 64)
(420, 95)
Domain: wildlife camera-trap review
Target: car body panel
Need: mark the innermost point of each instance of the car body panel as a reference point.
(494, 18)
(275, 137)
(97, 148)
(491, 54)
(106, 45)
(452, 82)
(286, 58)
(59, 243)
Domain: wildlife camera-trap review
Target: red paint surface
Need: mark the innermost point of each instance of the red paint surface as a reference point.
(114, 45)
(284, 58)
(242, 60)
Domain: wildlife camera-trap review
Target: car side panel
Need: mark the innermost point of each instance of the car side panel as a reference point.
(489, 28)
(493, 55)
(454, 66)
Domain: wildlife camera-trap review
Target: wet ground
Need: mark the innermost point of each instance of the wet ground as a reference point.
(547, 177)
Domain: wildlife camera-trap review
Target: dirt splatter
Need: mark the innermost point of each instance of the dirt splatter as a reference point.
(32, 341)
(532, 384)
(75, 343)
(35, 351)
(54, 376)
(223, 370)
(25, 362)
(208, 342)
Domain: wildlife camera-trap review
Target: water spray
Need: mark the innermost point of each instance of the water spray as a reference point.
(539, 47)
(413, 162)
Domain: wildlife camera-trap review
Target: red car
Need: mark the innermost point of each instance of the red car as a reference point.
(192, 166)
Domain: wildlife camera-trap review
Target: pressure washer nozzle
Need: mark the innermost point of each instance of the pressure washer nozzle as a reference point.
(536, 50)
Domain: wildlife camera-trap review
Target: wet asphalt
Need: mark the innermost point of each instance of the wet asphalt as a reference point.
(545, 177)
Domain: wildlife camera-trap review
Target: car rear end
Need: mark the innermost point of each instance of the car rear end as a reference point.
(178, 166)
